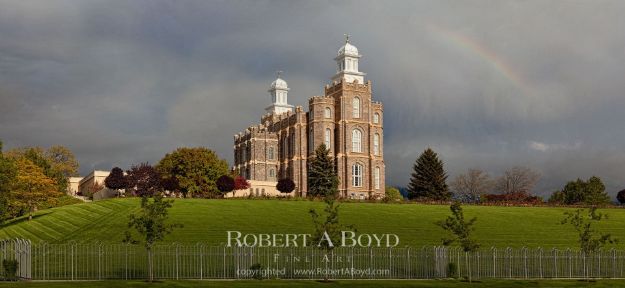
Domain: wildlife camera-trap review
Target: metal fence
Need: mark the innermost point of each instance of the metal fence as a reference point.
(96, 261)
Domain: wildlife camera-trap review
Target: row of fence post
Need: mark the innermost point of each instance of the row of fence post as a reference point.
(98, 261)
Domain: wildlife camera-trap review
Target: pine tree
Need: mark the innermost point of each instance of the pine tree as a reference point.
(428, 178)
(322, 178)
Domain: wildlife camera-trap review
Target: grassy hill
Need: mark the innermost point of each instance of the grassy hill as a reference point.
(208, 221)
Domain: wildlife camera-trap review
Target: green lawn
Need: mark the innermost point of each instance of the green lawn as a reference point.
(287, 283)
(208, 221)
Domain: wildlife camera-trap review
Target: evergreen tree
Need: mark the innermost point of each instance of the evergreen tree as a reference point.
(322, 178)
(428, 178)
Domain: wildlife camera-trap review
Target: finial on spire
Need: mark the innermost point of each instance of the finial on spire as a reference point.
(346, 38)
(279, 73)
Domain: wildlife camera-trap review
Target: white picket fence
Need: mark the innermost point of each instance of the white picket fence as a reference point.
(97, 261)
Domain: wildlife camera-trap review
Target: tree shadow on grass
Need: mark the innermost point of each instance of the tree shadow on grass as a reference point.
(23, 219)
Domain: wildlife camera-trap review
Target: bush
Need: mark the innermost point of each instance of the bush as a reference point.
(285, 185)
(452, 270)
(225, 184)
(513, 198)
(621, 196)
(10, 269)
(258, 271)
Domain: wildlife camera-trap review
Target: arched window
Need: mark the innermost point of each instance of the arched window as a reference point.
(376, 144)
(270, 153)
(357, 175)
(272, 173)
(376, 118)
(328, 113)
(356, 107)
(356, 141)
(376, 177)
(328, 137)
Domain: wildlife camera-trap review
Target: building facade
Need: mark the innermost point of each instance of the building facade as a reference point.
(345, 119)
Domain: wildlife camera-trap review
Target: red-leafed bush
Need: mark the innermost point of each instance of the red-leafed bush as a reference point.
(240, 183)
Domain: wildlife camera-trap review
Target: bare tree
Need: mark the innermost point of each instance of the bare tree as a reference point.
(469, 186)
(517, 180)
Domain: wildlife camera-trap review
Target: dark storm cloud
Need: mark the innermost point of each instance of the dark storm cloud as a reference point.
(488, 84)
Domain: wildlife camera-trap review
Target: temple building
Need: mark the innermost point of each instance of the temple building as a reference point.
(345, 119)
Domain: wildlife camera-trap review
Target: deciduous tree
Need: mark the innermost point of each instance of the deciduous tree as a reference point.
(195, 169)
(63, 160)
(589, 238)
(459, 228)
(8, 172)
(144, 180)
(591, 192)
(428, 180)
(327, 233)
(517, 180)
(469, 186)
(150, 224)
(37, 156)
(32, 187)
(116, 179)
(322, 178)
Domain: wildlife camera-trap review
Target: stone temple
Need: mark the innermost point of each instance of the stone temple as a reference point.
(345, 119)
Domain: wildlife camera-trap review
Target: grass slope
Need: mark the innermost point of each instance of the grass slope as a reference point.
(208, 221)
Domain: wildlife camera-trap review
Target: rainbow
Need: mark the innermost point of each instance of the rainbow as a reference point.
(466, 43)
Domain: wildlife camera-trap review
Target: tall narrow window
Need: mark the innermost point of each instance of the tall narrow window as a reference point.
(310, 141)
(272, 173)
(376, 118)
(285, 147)
(376, 144)
(270, 153)
(328, 137)
(376, 177)
(328, 113)
(357, 175)
(356, 108)
(356, 141)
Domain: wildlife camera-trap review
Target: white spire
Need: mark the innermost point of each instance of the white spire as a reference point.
(279, 96)
(347, 64)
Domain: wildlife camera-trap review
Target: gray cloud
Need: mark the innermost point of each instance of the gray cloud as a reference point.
(486, 84)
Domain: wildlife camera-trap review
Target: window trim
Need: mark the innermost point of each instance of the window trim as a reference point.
(357, 175)
(376, 144)
(356, 105)
(328, 138)
(327, 113)
(376, 177)
(356, 144)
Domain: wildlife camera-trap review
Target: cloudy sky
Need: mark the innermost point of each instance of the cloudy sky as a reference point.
(487, 84)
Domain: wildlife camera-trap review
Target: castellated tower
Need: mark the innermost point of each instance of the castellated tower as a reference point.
(345, 119)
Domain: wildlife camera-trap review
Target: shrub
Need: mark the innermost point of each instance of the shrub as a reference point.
(513, 198)
(225, 184)
(10, 269)
(257, 270)
(452, 270)
(240, 183)
(285, 185)
(621, 196)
